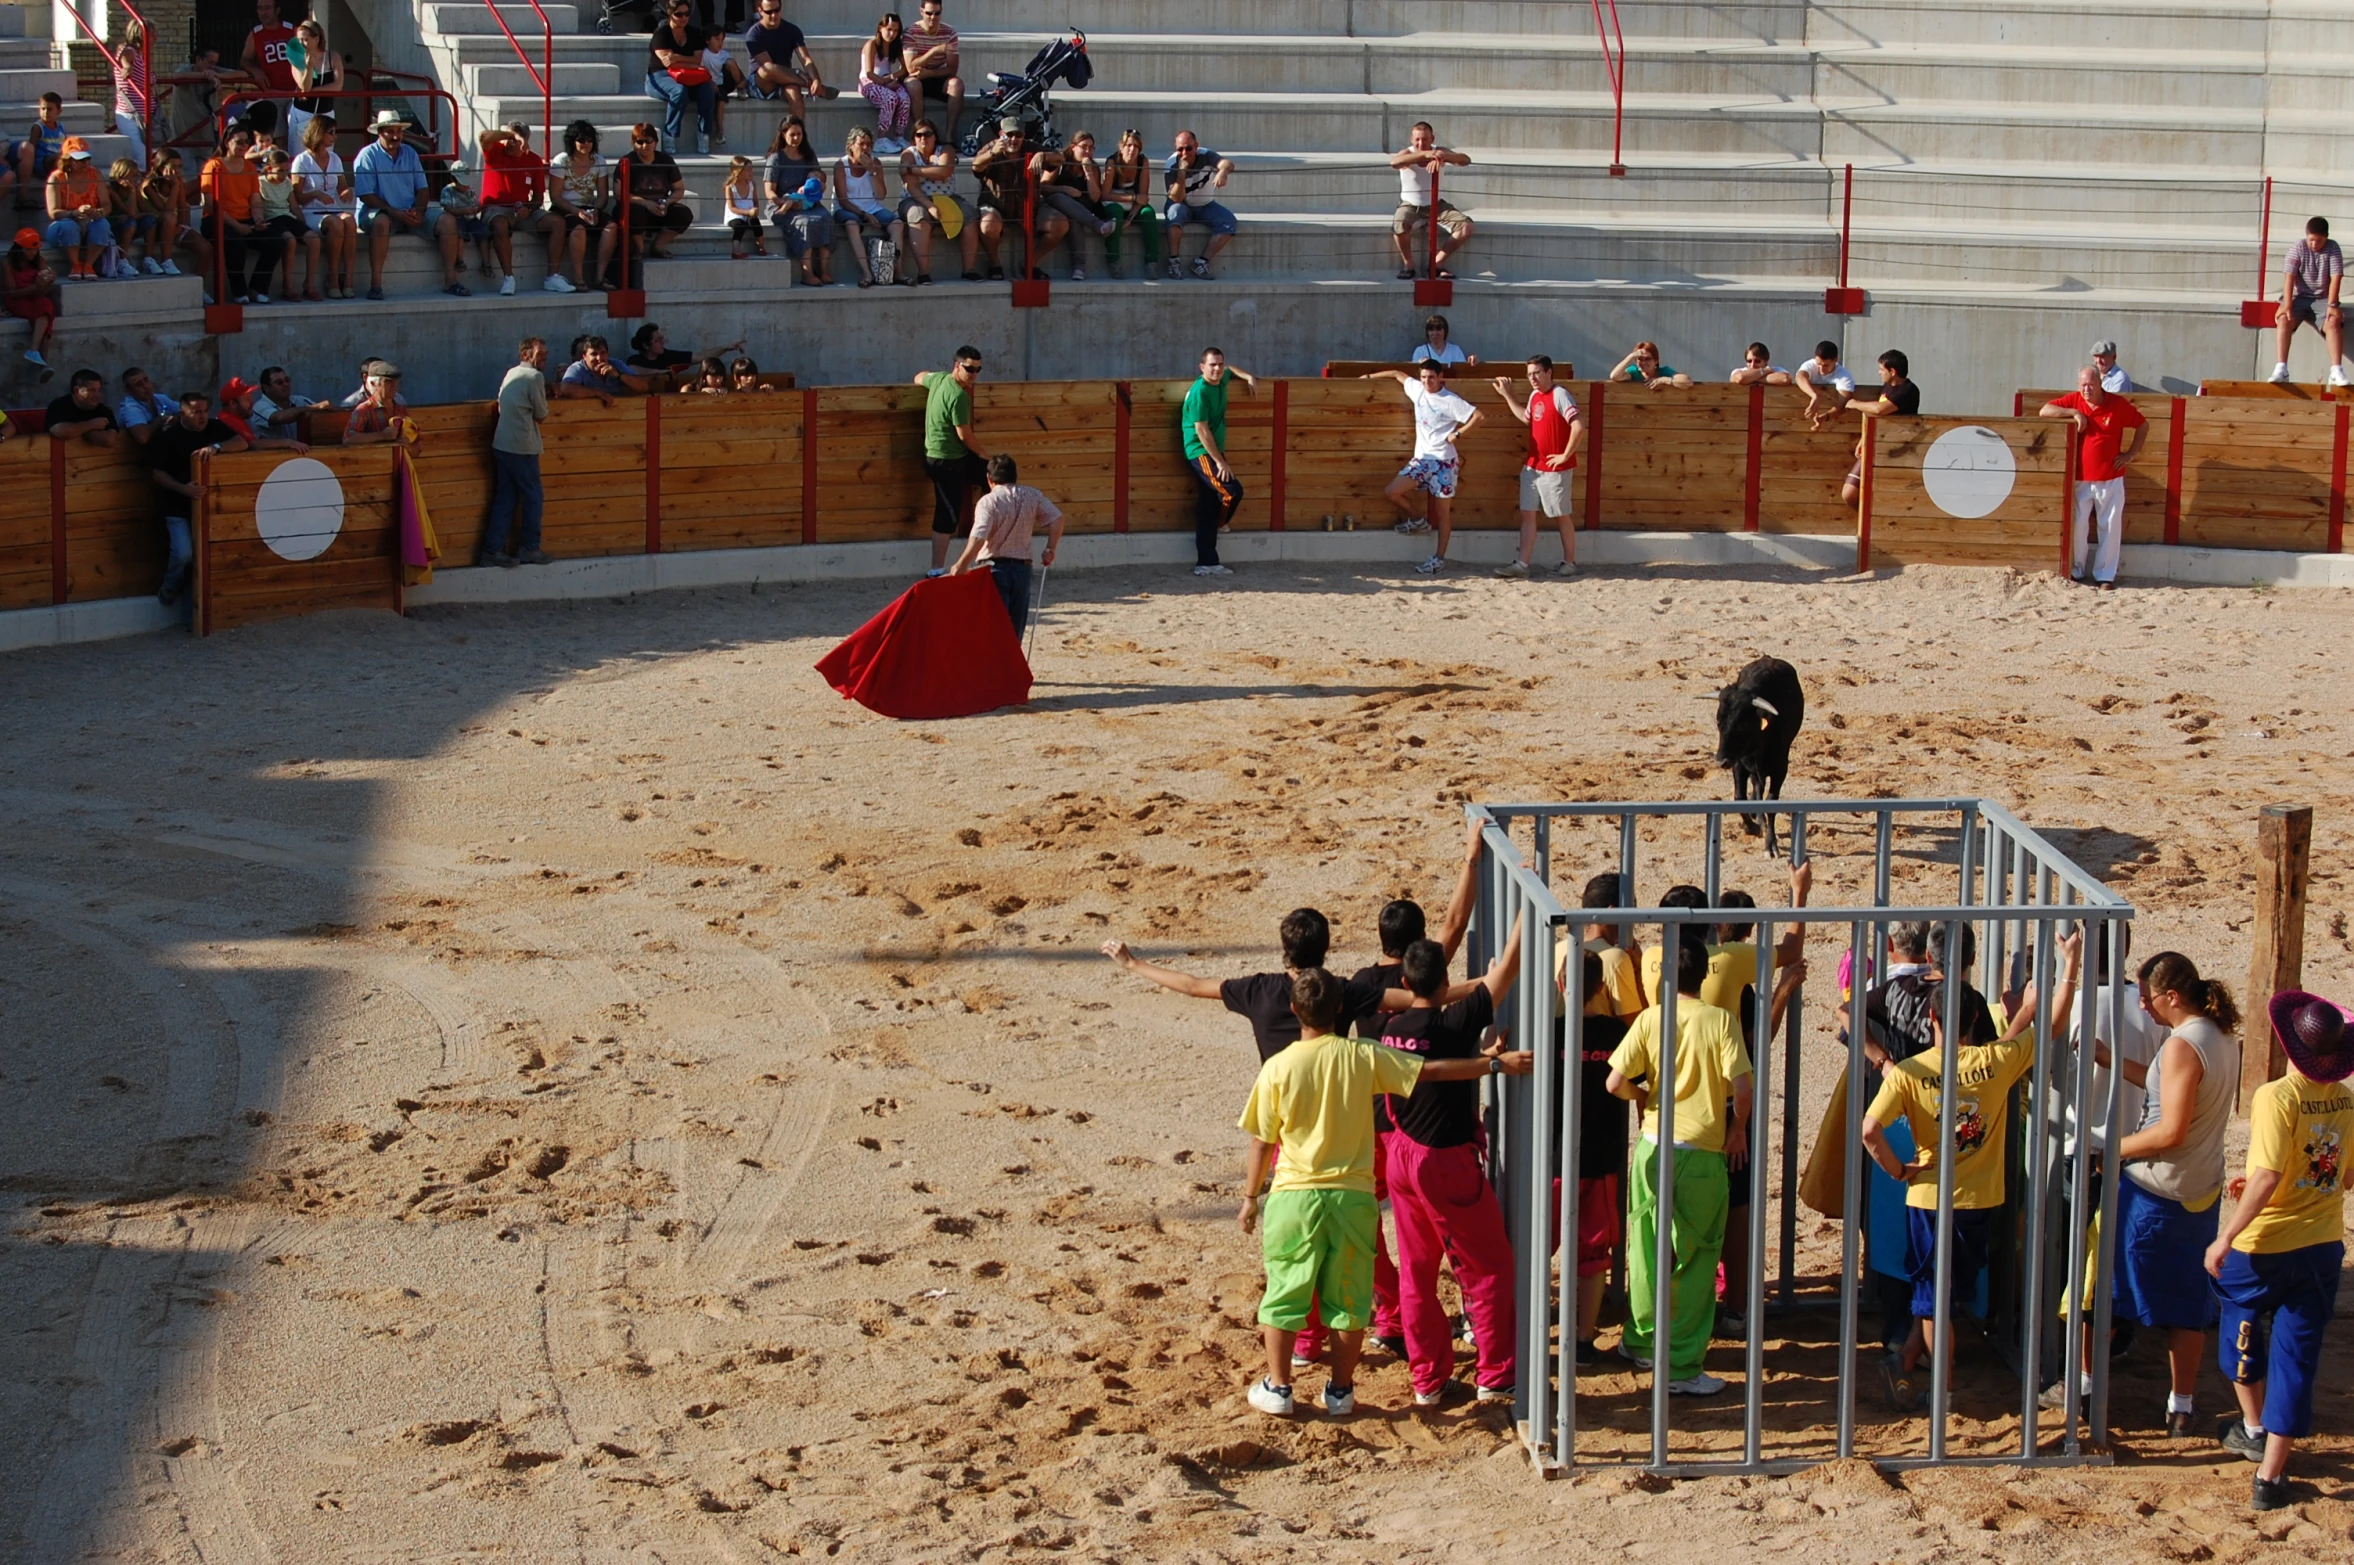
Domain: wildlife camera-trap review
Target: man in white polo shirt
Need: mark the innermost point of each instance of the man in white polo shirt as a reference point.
(1440, 417)
(2111, 427)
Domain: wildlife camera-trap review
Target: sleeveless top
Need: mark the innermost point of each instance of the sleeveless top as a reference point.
(580, 184)
(913, 163)
(2193, 1172)
(864, 191)
(743, 202)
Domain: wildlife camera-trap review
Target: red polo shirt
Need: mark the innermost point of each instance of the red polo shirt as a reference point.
(511, 178)
(2109, 421)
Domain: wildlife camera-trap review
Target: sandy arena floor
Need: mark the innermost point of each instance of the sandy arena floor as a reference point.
(559, 1084)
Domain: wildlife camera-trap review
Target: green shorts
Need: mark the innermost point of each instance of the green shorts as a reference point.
(1318, 1246)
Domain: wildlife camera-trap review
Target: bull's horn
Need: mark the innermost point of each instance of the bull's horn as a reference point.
(1765, 706)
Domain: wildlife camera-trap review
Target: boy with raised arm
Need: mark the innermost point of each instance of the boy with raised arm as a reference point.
(1310, 1120)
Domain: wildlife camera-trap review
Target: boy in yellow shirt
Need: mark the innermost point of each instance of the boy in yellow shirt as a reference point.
(1712, 1096)
(2276, 1260)
(1984, 1074)
(1310, 1116)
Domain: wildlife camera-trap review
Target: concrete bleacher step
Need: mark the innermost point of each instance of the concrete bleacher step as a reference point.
(130, 298)
(583, 78)
(2197, 26)
(458, 20)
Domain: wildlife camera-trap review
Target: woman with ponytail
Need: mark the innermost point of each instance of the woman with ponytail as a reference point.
(2173, 1166)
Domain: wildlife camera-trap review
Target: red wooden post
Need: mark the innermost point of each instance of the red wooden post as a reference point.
(59, 581)
(1594, 459)
(1753, 484)
(654, 474)
(1122, 410)
(2174, 439)
(1863, 498)
(809, 464)
(2337, 482)
(1282, 438)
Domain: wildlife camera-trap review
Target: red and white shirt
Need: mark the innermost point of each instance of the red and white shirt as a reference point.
(269, 48)
(1549, 419)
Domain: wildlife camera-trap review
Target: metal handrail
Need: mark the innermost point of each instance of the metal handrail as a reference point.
(1613, 39)
(542, 77)
(114, 62)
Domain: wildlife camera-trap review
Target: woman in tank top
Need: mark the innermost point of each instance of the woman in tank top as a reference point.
(2168, 1201)
(859, 204)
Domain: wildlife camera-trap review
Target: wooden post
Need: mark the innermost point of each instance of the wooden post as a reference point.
(2284, 842)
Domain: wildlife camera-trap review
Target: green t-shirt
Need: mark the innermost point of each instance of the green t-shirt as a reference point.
(948, 406)
(1204, 404)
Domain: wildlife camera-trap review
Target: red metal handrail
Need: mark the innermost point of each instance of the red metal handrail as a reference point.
(1846, 221)
(1613, 39)
(2264, 245)
(145, 87)
(542, 77)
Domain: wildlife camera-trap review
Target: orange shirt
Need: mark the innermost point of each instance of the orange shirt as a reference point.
(232, 191)
(79, 187)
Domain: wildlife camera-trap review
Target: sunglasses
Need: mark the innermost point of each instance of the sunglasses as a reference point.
(644, 141)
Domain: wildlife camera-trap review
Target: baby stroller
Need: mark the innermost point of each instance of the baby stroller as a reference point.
(1026, 94)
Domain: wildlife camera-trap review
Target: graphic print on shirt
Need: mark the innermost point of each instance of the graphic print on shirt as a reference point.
(2325, 1160)
(1969, 1127)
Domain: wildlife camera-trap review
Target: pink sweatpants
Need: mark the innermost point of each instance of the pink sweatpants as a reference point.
(1446, 1209)
(1385, 1275)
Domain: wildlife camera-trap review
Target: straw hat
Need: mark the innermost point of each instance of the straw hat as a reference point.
(2314, 1032)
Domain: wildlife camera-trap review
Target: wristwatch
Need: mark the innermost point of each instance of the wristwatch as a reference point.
(1495, 1066)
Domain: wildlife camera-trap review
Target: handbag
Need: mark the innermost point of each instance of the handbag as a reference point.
(883, 260)
(690, 76)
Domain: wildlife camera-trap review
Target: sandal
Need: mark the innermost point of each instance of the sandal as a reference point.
(923, 279)
(996, 273)
(1405, 274)
(972, 277)
(866, 282)
(1444, 275)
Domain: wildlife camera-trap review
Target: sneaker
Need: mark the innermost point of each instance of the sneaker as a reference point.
(1514, 570)
(1211, 570)
(1176, 267)
(33, 356)
(505, 562)
(1499, 1394)
(1430, 1398)
(1732, 1325)
(2271, 1494)
(2055, 1398)
(149, 267)
(1588, 1355)
(557, 284)
(2279, 375)
(533, 557)
(1701, 1385)
(1393, 1344)
(1272, 1399)
(2178, 1426)
(1903, 1395)
(261, 298)
(1631, 1356)
(376, 292)
(1078, 274)
(2337, 375)
(1297, 1362)
(1413, 524)
(1201, 269)
(1433, 565)
(1566, 568)
(169, 269)
(1340, 1401)
(2232, 1434)
(507, 286)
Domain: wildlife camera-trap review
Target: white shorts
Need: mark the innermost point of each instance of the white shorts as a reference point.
(1546, 491)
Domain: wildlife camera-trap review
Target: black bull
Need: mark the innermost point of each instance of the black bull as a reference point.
(1757, 716)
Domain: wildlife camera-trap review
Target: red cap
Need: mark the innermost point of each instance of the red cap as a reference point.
(237, 389)
(28, 239)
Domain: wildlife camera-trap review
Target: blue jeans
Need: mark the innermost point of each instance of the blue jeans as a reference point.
(1210, 214)
(1013, 587)
(514, 492)
(674, 103)
(180, 540)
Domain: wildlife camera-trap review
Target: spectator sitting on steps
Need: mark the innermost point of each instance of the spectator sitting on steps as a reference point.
(2311, 276)
(782, 66)
(1418, 168)
(1003, 169)
(389, 180)
(675, 74)
(1758, 368)
(1642, 366)
(1192, 172)
(927, 173)
(931, 58)
(28, 291)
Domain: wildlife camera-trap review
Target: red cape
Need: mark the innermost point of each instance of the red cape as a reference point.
(943, 648)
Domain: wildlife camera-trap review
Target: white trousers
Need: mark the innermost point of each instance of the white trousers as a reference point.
(2100, 507)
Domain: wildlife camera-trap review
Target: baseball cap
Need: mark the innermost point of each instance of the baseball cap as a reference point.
(237, 388)
(28, 239)
(1011, 124)
(2104, 346)
(75, 147)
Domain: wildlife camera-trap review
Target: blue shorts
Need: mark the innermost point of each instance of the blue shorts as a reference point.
(472, 227)
(1971, 1232)
(2162, 1261)
(1208, 213)
(1432, 476)
(2290, 1297)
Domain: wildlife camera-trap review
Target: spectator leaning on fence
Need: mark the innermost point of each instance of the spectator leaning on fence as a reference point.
(143, 409)
(594, 377)
(381, 419)
(2311, 277)
(277, 409)
(1758, 368)
(1003, 521)
(1555, 431)
(1192, 173)
(1898, 398)
(1438, 345)
(1217, 491)
(2110, 428)
(1418, 168)
(1643, 367)
(951, 459)
(82, 413)
(515, 494)
(2113, 376)
(172, 449)
(1823, 373)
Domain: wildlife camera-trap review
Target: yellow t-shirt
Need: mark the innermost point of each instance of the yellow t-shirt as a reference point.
(1621, 994)
(2301, 1128)
(1709, 1059)
(1314, 1099)
(1985, 1074)
(1731, 968)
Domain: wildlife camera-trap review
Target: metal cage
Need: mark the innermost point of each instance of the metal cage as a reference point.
(2011, 882)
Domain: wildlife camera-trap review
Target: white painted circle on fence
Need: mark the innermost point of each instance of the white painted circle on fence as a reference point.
(1969, 471)
(299, 510)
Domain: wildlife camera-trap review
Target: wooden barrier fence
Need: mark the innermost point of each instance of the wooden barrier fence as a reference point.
(841, 464)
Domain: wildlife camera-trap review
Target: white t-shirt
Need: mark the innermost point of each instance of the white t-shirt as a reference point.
(1437, 416)
(1836, 377)
(1452, 353)
(2140, 1045)
(327, 179)
(1776, 369)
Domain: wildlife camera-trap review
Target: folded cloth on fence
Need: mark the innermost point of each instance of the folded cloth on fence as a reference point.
(944, 648)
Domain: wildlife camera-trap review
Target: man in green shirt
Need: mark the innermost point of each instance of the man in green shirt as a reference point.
(1217, 491)
(951, 460)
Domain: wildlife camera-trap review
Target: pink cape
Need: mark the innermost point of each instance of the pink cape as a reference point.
(943, 648)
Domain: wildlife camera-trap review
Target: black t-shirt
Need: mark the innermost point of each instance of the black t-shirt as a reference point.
(1602, 1119)
(668, 37)
(1381, 975)
(64, 410)
(1441, 1113)
(650, 181)
(1897, 1015)
(1905, 395)
(173, 447)
(1265, 998)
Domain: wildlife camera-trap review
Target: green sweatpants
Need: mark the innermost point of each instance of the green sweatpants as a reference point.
(1145, 221)
(1696, 1228)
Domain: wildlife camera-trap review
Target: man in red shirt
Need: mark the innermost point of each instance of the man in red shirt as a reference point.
(514, 195)
(1555, 431)
(264, 60)
(2111, 429)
